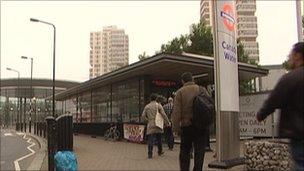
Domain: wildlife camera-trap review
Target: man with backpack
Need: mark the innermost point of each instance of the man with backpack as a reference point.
(191, 122)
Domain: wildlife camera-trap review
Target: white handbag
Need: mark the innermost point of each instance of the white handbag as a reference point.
(159, 120)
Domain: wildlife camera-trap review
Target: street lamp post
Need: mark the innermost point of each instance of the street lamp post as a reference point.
(18, 97)
(54, 48)
(31, 96)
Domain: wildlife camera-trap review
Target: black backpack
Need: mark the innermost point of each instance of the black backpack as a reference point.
(203, 110)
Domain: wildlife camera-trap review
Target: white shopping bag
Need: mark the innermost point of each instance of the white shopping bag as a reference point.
(159, 120)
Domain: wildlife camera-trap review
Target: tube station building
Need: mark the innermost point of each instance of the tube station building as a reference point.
(120, 96)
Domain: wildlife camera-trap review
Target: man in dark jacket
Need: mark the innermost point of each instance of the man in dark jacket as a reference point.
(182, 123)
(288, 95)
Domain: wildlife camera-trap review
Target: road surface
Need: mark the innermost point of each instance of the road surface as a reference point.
(17, 150)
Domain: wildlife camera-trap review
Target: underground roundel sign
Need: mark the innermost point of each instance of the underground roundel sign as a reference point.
(227, 15)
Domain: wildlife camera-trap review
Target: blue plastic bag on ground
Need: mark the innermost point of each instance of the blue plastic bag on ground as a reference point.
(65, 161)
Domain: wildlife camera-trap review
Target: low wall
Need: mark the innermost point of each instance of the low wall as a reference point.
(97, 129)
(267, 155)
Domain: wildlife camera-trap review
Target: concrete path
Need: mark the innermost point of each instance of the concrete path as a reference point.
(98, 154)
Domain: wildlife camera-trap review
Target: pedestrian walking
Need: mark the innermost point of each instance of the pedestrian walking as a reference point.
(168, 130)
(288, 95)
(153, 131)
(182, 124)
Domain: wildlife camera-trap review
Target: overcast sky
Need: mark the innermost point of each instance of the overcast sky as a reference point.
(148, 24)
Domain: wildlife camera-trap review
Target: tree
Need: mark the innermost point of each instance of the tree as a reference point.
(176, 46)
(242, 56)
(200, 41)
(286, 65)
(143, 56)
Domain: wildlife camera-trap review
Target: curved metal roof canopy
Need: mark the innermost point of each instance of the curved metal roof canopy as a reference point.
(164, 66)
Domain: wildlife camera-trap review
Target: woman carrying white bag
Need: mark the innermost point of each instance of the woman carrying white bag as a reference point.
(155, 115)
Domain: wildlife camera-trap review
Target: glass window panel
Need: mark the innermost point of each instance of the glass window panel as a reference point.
(125, 104)
(71, 107)
(101, 105)
(84, 108)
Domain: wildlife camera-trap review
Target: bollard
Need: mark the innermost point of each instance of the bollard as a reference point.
(41, 129)
(65, 132)
(34, 124)
(44, 129)
(30, 125)
(38, 128)
(51, 141)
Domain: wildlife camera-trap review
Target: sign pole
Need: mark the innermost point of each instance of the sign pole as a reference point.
(299, 20)
(226, 84)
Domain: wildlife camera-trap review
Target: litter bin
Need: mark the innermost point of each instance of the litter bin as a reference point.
(65, 132)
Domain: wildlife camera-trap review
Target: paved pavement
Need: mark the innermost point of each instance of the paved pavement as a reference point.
(13, 147)
(98, 154)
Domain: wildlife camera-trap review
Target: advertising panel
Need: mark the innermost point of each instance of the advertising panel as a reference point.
(249, 126)
(133, 132)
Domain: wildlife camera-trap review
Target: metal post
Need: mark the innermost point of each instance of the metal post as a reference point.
(299, 20)
(30, 118)
(24, 117)
(35, 109)
(18, 103)
(272, 125)
(227, 128)
(51, 128)
(54, 48)
(31, 93)
(18, 98)
(20, 115)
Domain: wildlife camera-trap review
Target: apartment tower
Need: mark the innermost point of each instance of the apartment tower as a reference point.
(247, 29)
(109, 50)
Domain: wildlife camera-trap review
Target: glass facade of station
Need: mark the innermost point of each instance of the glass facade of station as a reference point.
(119, 97)
(121, 102)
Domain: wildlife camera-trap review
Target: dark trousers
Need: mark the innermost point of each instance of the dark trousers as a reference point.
(151, 138)
(169, 137)
(189, 136)
(297, 151)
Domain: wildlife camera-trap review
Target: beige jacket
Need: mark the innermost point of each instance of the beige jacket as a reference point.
(183, 106)
(149, 114)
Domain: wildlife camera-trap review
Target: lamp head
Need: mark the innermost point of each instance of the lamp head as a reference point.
(34, 20)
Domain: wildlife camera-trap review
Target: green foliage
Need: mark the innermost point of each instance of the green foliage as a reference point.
(200, 41)
(143, 56)
(246, 87)
(286, 65)
(176, 46)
